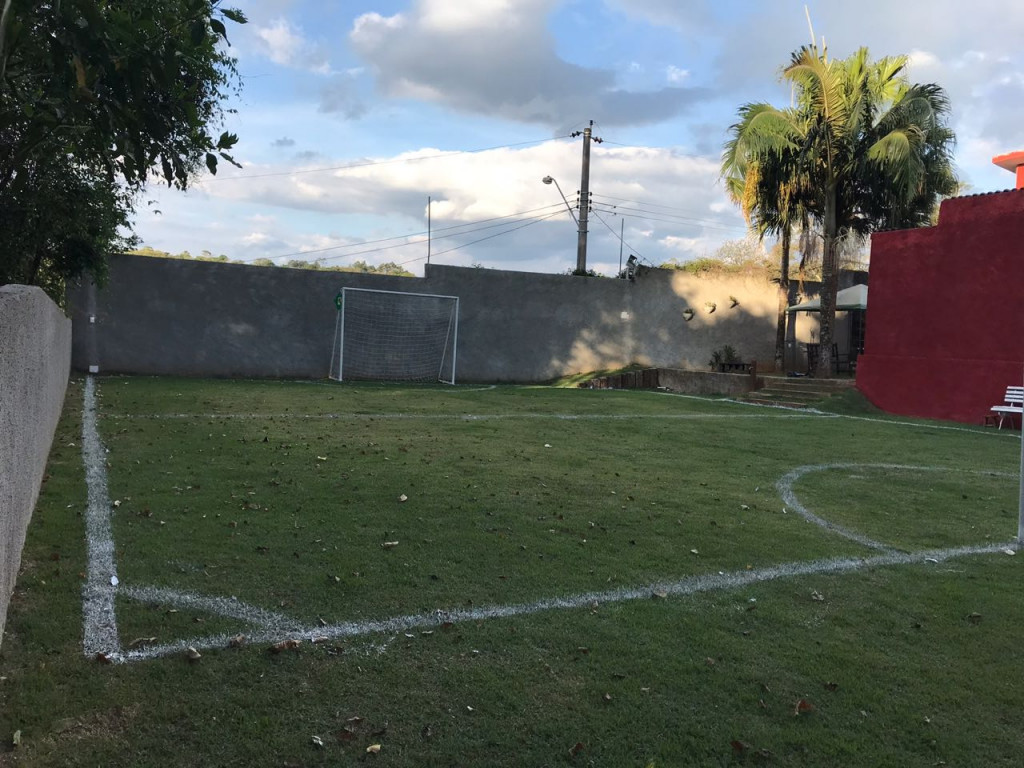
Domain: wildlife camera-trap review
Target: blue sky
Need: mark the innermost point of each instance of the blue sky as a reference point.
(352, 113)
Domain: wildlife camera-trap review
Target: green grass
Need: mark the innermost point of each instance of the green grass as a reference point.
(286, 504)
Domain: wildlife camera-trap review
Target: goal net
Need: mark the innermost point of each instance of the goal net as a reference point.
(395, 336)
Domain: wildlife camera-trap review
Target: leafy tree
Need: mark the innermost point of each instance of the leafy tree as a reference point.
(111, 93)
(863, 149)
(47, 245)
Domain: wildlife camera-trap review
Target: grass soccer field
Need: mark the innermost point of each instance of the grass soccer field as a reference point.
(299, 574)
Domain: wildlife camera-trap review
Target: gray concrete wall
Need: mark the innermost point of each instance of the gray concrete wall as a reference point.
(165, 316)
(35, 354)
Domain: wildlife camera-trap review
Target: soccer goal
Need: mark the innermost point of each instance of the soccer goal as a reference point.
(395, 336)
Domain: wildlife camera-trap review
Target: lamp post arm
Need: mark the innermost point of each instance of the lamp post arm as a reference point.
(564, 200)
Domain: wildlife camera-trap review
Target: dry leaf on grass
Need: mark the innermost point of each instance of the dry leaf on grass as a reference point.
(285, 645)
(192, 654)
(237, 641)
(138, 642)
(373, 749)
(318, 742)
(389, 544)
(576, 749)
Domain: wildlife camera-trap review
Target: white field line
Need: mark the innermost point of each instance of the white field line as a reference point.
(99, 618)
(826, 414)
(683, 587)
(785, 489)
(457, 416)
(230, 607)
(969, 430)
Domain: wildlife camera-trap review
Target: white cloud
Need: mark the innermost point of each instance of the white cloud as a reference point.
(498, 58)
(669, 202)
(285, 45)
(676, 75)
(282, 43)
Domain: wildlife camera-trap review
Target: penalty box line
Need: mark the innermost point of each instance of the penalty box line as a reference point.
(681, 588)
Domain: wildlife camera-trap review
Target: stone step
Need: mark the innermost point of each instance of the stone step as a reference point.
(808, 383)
(801, 393)
(796, 392)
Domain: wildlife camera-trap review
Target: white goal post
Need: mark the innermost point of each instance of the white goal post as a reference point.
(395, 336)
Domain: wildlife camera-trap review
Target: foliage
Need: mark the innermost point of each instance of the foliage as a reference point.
(583, 272)
(862, 149)
(725, 355)
(106, 94)
(185, 255)
(387, 268)
(743, 255)
(47, 245)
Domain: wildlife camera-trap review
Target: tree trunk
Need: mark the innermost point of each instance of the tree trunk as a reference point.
(780, 333)
(829, 286)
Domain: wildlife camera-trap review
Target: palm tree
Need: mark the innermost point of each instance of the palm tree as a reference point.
(761, 176)
(863, 148)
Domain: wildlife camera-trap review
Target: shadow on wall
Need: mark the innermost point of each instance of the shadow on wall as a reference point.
(168, 317)
(530, 327)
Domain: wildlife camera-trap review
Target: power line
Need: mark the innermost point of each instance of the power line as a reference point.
(646, 203)
(370, 163)
(667, 218)
(620, 239)
(530, 220)
(489, 237)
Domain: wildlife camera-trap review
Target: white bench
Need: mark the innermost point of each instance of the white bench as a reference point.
(1014, 403)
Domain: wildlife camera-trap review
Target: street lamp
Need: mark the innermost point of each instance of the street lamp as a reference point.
(551, 180)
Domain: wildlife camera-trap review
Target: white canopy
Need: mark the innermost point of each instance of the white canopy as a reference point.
(855, 297)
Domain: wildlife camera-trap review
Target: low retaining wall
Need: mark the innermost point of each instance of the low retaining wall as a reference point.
(708, 382)
(684, 382)
(35, 357)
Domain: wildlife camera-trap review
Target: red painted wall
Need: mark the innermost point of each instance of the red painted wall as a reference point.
(945, 319)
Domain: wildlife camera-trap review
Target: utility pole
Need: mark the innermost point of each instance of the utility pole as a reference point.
(428, 229)
(581, 246)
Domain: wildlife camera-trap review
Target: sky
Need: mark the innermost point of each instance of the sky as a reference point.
(353, 113)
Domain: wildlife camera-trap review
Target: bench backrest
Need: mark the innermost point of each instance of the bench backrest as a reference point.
(1015, 395)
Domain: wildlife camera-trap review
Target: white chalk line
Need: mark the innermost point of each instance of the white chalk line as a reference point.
(229, 607)
(448, 416)
(99, 617)
(829, 415)
(789, 498)
(271, 627)
(680, 588)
